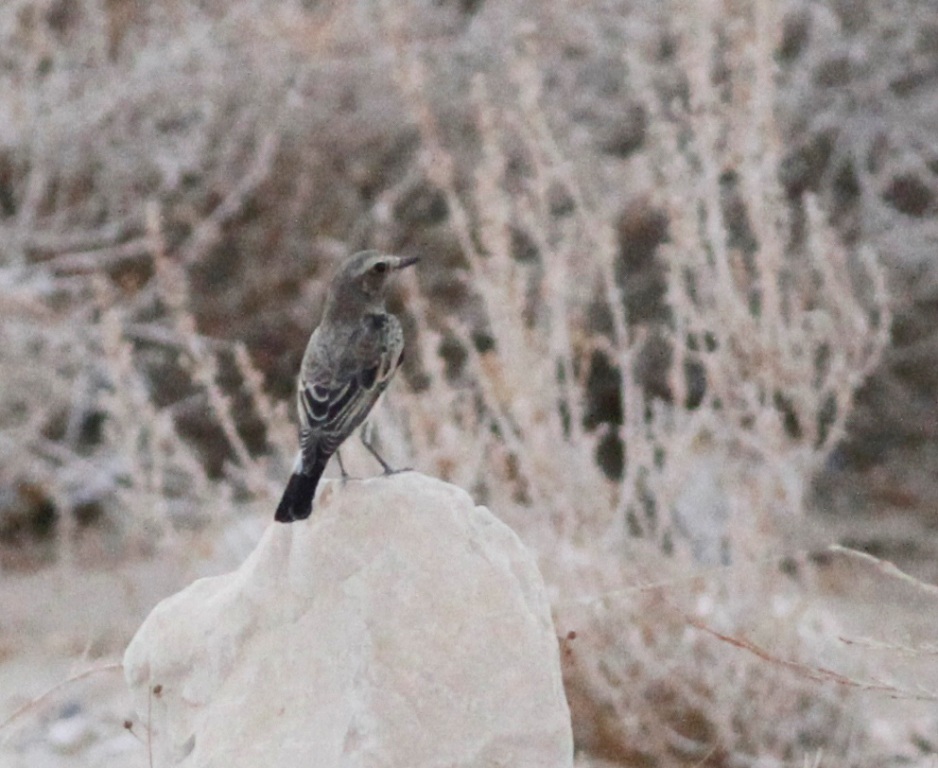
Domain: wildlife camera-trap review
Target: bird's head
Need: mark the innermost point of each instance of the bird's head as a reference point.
(361, 282)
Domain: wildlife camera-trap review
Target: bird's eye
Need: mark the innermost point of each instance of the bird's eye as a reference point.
(380, 267)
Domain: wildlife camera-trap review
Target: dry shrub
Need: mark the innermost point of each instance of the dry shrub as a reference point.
(84, 434)
(857, 105)
(235, 123)
(763, 304)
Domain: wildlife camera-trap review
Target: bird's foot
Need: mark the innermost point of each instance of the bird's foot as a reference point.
(345, 475)
(388, 469)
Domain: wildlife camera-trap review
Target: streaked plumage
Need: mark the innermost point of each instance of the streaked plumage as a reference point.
(348, 363)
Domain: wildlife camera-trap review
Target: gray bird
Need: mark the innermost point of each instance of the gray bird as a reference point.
(348, 363)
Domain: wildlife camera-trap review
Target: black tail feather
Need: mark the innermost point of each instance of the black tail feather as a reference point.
(297, 501)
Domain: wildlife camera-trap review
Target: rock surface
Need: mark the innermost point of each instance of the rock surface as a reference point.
(400, 625)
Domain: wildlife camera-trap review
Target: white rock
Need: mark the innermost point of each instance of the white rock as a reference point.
(400, 626)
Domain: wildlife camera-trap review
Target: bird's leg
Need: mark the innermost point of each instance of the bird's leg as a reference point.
(371, 449)
(345, 475)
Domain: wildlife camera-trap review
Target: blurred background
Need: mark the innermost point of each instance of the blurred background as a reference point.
(675, 321)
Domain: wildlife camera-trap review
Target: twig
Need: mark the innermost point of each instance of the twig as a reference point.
(172, 339)
(55, 243)
(208, 232)
(818, 674)
(102, 258)
(886, 568)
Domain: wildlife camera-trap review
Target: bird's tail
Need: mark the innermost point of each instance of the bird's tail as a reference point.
(297, 500)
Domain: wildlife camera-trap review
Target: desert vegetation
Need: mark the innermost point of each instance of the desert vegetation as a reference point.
(665, 326)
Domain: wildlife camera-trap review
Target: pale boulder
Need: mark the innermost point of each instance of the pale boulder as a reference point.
(400, 626)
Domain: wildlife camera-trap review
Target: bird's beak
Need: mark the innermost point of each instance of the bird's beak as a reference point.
(406, 261)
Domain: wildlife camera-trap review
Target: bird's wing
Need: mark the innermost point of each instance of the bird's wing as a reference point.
(333, 403)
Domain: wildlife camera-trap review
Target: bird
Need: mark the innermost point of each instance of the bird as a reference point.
(349, 361)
